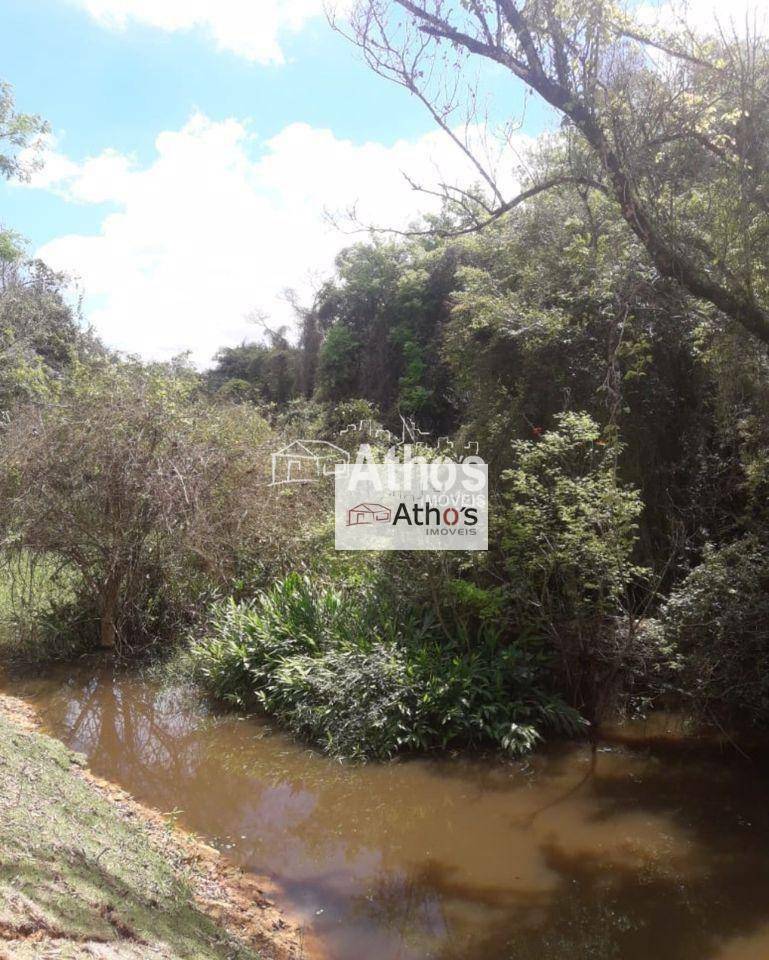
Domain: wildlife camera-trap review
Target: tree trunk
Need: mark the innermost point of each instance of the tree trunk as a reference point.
(109, 597)
(581, 108)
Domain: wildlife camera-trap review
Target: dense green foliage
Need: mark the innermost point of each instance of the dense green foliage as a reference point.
(568, 537)
(360, 677)
(625, 428)
(718, 619)
(623, 410)
(569, 523)
(40, 336)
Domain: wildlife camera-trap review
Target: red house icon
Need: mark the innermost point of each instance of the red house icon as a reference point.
(368, 513)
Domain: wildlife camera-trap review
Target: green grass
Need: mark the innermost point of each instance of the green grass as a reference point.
(76, 871)
(40, 616)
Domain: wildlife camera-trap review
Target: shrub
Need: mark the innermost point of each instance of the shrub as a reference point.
(362, 679)
(719, 620)
(570, 524)
(353, 703)
(144, 490)
(568, 534)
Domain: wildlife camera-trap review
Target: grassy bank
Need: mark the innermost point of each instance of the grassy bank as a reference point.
(85, 871)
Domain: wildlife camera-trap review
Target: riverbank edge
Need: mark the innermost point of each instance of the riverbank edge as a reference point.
(238, 902)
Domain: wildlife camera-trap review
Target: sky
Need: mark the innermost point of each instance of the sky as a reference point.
(197, 150)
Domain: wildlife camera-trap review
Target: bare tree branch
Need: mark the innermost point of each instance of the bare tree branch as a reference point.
(580, 59)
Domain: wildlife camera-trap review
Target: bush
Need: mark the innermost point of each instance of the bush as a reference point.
(361, 680)
(353, 703)
(144, 489)
(568, 535)
(719, 620)
(570, 524)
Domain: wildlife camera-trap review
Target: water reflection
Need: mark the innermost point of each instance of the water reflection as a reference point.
(626, 854)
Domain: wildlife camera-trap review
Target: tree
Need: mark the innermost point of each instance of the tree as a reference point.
(122, 473)
(674, 128)
(20, 137)
(718, 621)
(270, 368)
(383, 314)
(39, 331)
(568, 534)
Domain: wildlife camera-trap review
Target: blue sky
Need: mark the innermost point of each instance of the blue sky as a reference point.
(119, 88)
(195, 152)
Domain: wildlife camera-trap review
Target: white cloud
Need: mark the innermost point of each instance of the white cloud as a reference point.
(248, 28)
(705, 16)
(220, 224)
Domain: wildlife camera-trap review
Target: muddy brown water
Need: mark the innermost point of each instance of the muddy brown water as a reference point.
(644, 849)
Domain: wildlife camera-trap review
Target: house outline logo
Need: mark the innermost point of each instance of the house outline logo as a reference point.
(364, 514)
(306, 461)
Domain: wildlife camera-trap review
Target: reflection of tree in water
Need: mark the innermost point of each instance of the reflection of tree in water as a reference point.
(163, 747)
(351, 831)
(408, 905)
(128, 731)
(600, 907)
(161, 741)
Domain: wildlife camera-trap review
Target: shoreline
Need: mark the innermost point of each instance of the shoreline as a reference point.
(240, 903)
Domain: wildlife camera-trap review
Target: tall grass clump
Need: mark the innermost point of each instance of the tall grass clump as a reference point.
(363, 679)
(41, 616)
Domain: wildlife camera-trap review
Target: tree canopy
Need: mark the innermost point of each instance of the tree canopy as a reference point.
(671, 126)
